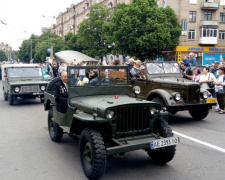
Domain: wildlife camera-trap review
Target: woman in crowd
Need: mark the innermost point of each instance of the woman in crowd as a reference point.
(206, 78)
(196, 75)
(219, 89)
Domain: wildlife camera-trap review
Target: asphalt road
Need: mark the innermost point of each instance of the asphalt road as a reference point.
(27, 153)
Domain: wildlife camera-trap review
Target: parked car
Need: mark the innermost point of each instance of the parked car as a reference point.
(23, 81)
(107, 121)
(165, 85)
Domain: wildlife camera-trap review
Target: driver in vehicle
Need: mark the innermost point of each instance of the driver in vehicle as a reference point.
(61, 93)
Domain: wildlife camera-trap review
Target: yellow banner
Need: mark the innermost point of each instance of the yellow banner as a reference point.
(200, 49)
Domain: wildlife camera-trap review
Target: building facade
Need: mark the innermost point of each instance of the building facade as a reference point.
(203, 25)
(203, 28)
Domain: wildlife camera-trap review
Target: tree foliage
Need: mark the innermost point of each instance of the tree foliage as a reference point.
(3, 56)
(91, 35)
(142, 29)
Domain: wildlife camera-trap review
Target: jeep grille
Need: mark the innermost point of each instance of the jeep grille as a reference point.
(29, 89)
(132, 119)
(193, 94)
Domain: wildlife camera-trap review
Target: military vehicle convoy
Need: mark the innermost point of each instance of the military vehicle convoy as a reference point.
(107, 121)
(23, 81)
(165, 85)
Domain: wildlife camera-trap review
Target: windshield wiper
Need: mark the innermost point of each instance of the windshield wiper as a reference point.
(26, 79)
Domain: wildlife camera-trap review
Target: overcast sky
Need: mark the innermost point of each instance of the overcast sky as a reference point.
(26, 15)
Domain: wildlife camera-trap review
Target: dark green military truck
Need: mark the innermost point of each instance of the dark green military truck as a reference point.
(23, 81)
(165, 85)
(107, 121)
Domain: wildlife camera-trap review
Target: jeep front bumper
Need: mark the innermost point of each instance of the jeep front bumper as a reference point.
(175, 108)
(132, 143)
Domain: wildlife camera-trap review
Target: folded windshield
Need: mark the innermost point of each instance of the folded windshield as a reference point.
(24, 72)
(163, 68)
(92, 76)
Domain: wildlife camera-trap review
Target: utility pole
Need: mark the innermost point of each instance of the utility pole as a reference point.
(31, 48)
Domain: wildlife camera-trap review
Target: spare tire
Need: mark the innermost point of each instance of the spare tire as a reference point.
(51, 85)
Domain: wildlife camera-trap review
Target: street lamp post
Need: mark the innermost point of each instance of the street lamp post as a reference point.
(51, 53)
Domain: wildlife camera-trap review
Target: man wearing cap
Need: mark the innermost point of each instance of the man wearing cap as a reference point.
(216, 68)
(192, 60)
(131, 68)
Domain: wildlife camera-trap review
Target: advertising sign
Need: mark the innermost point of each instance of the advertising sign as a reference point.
(209, 58)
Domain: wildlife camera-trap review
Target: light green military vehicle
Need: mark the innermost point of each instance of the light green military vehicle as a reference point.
(165, 85)
(23, 81)
(107, 121)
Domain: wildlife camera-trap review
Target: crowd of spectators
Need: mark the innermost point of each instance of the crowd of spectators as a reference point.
(211, 78)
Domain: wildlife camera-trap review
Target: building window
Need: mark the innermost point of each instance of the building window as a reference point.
(222, 35)
(222, 2)
(184, 25)
(164, 3)
(191, 34)
(209, 32)
(222, 17)
(193, 2)
(192, 16)
(208, 15)
(110, 5)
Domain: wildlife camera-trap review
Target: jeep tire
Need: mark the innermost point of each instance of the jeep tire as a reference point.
(55, 131)
(92, 153)
(163, 104)
(11, 99)
(163, 155)
(199, 113)
(51, 85)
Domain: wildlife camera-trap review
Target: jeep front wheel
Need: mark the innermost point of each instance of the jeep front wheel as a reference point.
(199, 113)
(92, 153)
(163, 155)
(163, 104)
(55, 131)
(11, 99)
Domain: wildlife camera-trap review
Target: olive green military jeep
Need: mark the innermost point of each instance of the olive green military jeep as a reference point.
(106, 120)
(165, 85)
(24, 81)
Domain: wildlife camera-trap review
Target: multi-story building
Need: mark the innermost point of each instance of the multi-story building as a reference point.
(203, 28)
(203, 25)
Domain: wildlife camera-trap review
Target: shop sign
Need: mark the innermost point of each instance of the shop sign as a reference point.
(209, 58)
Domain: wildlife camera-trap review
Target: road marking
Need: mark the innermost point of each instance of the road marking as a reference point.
(200, 142)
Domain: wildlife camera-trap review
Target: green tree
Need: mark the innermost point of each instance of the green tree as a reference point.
(3, 56)
(44, 43)
(91, 35)
(25, 48)
(141, 29)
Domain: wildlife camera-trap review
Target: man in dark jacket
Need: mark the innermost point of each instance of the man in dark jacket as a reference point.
(61, 93)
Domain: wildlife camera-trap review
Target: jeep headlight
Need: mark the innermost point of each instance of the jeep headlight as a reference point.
(110, 114)
(136, 90)
(17, 89)
(42, 88)
(153, 110)
(205, 95)
(177, 96)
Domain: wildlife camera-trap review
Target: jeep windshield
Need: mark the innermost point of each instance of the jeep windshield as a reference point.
(163, 68)
(98, 75)
(24, 72)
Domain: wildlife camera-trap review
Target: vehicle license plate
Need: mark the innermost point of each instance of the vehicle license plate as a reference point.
(211, 100)
(159, 143)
